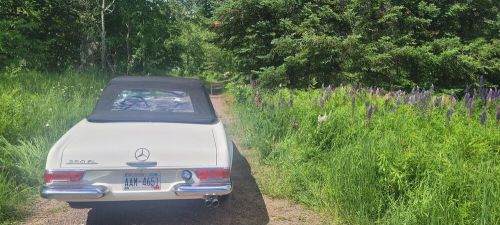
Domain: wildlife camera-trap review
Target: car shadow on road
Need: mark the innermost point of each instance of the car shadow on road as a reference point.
(245, 205)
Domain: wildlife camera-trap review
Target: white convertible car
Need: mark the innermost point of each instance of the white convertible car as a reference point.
(148, 138)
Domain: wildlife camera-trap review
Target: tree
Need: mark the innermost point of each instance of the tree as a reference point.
(105, 8)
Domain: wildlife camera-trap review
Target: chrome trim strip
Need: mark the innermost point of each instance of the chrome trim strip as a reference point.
(73, 192)
(142, 164)
(187, 190)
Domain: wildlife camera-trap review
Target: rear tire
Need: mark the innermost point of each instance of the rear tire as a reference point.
(80, 205)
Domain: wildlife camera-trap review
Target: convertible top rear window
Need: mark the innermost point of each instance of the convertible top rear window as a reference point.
(154, 99)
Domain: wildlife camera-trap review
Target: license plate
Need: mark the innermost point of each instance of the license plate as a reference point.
(141, 181)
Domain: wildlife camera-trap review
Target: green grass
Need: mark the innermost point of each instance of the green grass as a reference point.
(35, 110)
(405, 166)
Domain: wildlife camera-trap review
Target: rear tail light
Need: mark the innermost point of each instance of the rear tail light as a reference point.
(213, 174)
(62, 176)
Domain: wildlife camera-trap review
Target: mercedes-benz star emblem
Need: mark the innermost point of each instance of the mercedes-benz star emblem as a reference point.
(142, 154)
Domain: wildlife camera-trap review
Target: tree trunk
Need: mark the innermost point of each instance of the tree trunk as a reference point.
(103, 36)
(129, 57)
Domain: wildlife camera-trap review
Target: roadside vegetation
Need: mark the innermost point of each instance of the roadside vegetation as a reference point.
(35, 110)
(371, 156)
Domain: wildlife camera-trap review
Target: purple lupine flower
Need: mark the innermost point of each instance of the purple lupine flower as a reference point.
(466, 99)
(439, 101)
(328, 92)
(281, 101)
(470, 106)
(291, 100)
(257, 99)
(271, 106)
(453, 101)
(483, 117)
(322, 102)
(353, 104)
(254, 84)
(369, 112)
(449, 114)
(489, 98)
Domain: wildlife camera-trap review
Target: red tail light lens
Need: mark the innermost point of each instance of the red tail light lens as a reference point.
(63, 176)
(213, 174)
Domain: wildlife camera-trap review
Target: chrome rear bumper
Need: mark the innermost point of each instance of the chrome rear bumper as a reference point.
(70, 192)
(188, 190)
(97, 192)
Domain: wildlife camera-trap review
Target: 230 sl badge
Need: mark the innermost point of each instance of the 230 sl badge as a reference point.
(83, 161)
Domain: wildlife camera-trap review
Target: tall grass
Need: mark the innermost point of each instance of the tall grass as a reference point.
(35, 110)
(370, 157)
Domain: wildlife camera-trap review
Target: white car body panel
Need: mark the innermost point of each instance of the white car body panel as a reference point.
(110, 145)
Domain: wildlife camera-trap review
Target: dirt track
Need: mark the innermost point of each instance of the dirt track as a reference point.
(246, 205)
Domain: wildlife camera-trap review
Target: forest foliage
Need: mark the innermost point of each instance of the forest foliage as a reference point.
(389, 43)
(140, 37)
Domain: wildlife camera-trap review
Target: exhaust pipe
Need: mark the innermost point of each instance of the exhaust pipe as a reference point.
(215, 202)
(208, 202)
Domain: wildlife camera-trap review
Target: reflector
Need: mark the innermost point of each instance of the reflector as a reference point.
(213, 174)
(63, 176)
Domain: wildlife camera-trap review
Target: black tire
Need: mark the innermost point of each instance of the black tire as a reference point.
(80, 205)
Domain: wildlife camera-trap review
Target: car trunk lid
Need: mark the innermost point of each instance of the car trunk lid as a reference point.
(126, 145)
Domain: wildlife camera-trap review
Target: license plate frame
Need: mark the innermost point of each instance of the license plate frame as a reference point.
(141, 181)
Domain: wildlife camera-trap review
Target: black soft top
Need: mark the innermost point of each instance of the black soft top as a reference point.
(204, 112)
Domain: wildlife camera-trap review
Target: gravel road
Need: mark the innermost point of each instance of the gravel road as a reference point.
(246, 204)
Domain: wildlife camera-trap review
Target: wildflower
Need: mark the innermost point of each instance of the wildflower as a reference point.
(254, 84)
(470, 106)
(264, 104)
(369, 112)
(453, 101)
(47, 125)
(257, 96)
(321, 102)
(291, 100)
(281, 101)
(353, 104)
(322, 118)
(449, 114)
(328, 92)
(489, 98)
(466, 99)
(483, 117)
